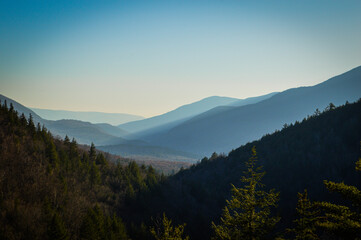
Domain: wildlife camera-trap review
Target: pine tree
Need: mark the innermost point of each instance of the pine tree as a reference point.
(116, 228)
(248, 213)
(307, 217)
(66, 140)
(88, 229)
(165, 230)
(94, 175)
(51, 153)
(92, 152)
(101, 159)
(31, 125)
(56, 229)
(340, 220)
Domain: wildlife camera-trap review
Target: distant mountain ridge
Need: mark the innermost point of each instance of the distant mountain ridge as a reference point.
(83, 132)
(221, 130)
(93, 117)
(178, 114)
(214, 123)
(181, 114)
(102, 134)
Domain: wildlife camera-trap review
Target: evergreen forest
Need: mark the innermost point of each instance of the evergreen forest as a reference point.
(300, 182)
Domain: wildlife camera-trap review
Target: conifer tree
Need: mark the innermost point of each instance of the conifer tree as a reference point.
(116, 228)
(307, 217)
(94, 175)
(168, 232)
(56, 229)
(31, 125)
(101, 159)
(51, 153)
(89, 227)
(340, 220)
(92, 152)
(248, 213)
(66, 140)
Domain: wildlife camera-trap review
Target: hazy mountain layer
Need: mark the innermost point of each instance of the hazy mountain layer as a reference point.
(152, 152)
(225, 128)
(93, 117)
(104, 134)
(163, 128)
(183, 112)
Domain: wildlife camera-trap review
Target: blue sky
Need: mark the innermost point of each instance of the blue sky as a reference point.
(148, 57)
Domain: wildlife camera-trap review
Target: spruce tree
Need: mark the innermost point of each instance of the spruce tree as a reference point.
(341, 220)
(307, 217)
(101, 159)
(94, 175)
(165, 230)
(92, 152)
(248, 213)
(56, 229)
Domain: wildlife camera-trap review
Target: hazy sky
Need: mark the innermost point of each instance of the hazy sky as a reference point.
(148, 57)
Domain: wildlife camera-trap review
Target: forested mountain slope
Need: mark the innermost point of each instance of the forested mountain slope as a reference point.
(51, 189)
(84, 132)
(302, 155)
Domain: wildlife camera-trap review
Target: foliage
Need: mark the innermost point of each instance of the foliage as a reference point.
(248, 214)
(301, 156)
(48, 185)
(305, 228)
(342, 220)
(165, 230)
(97, 226)
(56, 229)
(55, 189)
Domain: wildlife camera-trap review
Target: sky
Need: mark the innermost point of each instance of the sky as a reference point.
(149, 57)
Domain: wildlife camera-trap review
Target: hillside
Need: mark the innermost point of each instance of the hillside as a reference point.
(221, 131)
(83, 132)
(52, 189)
(302, 155)
(143, 150)
(102, 134)
(93, 117)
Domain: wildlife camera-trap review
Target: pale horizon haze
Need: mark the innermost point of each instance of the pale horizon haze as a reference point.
(150, 57)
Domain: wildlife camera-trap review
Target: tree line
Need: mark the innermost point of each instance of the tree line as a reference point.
(52, 189)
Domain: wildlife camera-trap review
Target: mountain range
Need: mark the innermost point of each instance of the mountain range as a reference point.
(223, 128)
(93, 117)
(110, 136)
(213, 124)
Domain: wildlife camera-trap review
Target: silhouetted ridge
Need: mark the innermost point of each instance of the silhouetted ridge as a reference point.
(301, 155)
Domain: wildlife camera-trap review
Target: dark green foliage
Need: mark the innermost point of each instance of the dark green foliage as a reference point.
(343, 221)
(97, 226)
(101, 159)
(47, 185)
(307, 214)
(165, 230)
(248, 213)
(92, 152)
(94, 176)
(56, 229)
(299, 157)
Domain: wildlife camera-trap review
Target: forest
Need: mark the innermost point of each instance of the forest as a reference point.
(301, 182)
